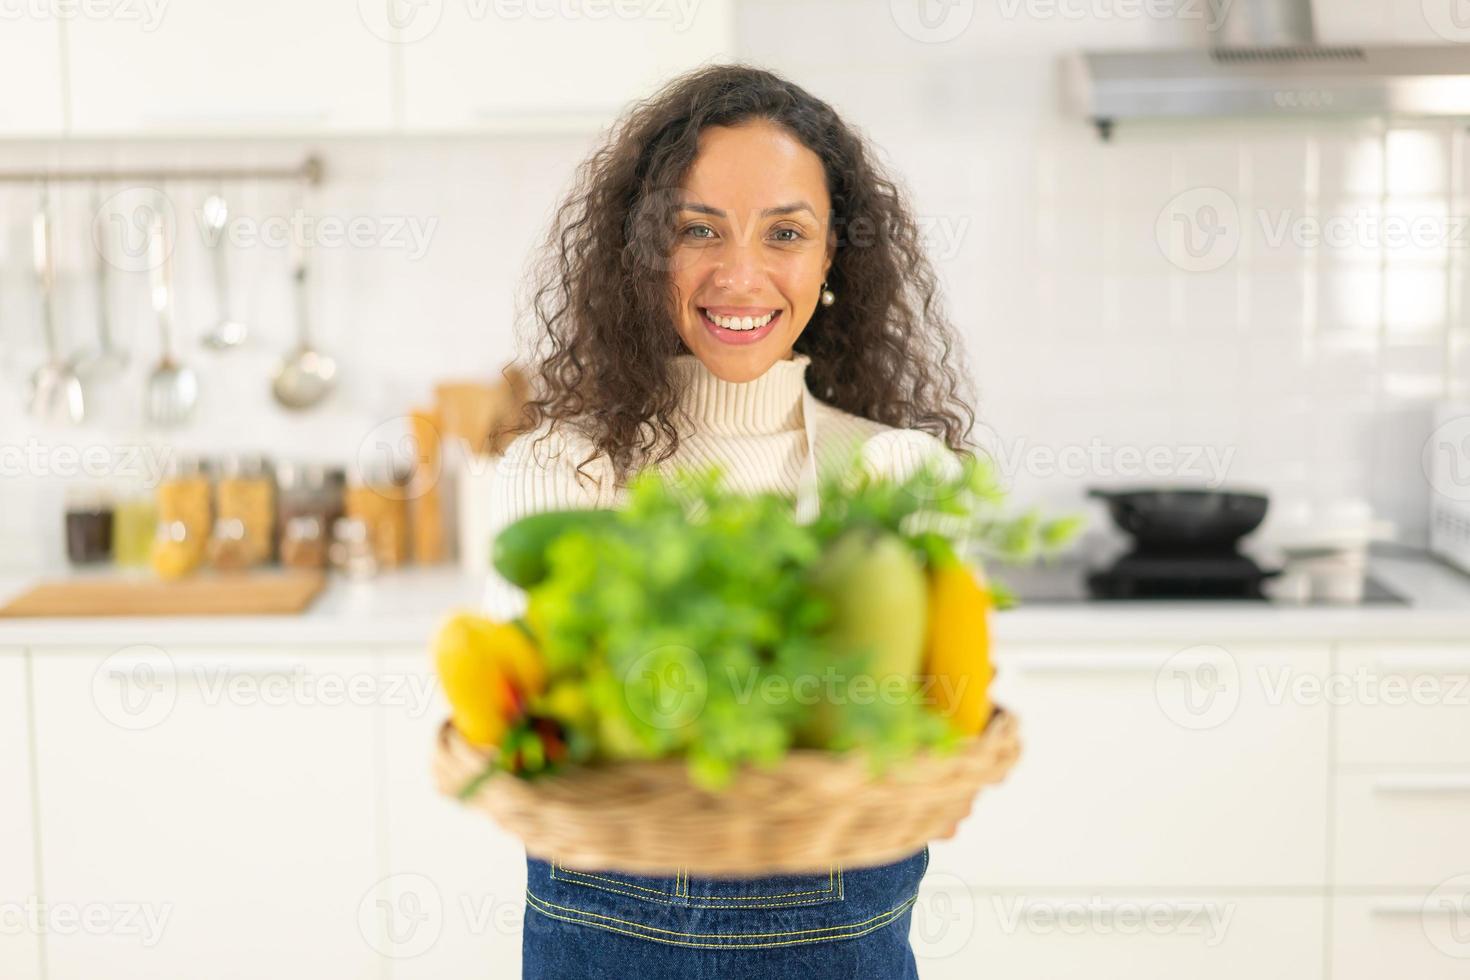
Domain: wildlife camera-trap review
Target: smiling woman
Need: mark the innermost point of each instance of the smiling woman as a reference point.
(734, 282)
(729, 195)
(744, 271)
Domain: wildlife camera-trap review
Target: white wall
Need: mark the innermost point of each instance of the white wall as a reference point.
(1309, 370)
(429, 297)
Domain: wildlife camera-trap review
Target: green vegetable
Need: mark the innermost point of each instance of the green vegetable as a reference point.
(519, 553)
(686, 623)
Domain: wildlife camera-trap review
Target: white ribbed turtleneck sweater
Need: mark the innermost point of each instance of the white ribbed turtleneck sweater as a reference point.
(758, 431)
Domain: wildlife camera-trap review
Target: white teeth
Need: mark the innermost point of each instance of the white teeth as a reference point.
(741, 322)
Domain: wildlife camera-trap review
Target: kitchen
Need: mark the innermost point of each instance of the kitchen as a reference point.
(286, 277)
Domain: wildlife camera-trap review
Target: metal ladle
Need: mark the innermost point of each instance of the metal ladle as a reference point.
(173, 388)
(56, 391)
(306, 376)
(229, 332)
(108, 360)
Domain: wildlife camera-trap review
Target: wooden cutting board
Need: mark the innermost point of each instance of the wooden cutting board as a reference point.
(247, 594)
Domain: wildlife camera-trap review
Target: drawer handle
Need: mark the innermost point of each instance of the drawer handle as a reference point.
(1428, 783)
(1416, 907)
(547, 120)
(191, 668)
(301, 117)
(1425, 663)
(1399, 907)
(1123, 663)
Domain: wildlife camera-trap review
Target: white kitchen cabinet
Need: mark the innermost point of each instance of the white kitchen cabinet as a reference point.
(1401, 828)
(960, 934)
(30, 74)
(1153, 764)
(228, 66)
(444, 859)
(1403, 704)
(1423, 935)
(20, 943)
(529, 64)
(214, 810)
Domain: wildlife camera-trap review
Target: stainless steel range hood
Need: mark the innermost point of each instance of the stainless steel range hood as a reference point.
(1265, 62)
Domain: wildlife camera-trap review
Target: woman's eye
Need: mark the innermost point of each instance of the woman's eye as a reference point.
(794, 233)
(691, 231)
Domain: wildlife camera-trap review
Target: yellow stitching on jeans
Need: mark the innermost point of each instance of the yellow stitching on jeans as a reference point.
(756, 898)
(758, 905)
(896, 910)
(669, 932)
(618, 891)
(892, 915)
(614, 881)
(683, 891)
(626, 884)
(773, 905)
(687, 944)
(662, 897)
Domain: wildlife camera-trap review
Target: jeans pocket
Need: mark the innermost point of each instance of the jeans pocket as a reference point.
(771, 892)
(660, 890)
(693, 891)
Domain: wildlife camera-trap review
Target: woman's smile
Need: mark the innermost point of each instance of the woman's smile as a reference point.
(739, 324)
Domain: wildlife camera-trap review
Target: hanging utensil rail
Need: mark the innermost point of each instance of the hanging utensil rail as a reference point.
(309, 170)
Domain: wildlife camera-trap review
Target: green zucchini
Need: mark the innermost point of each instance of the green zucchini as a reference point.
(519, 551)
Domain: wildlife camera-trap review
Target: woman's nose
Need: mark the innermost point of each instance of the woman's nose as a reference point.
(739, 268)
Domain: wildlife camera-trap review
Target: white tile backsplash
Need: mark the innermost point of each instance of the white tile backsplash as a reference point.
(1311, 366)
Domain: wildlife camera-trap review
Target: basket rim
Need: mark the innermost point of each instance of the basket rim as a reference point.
(636, 815)
(1000, 725)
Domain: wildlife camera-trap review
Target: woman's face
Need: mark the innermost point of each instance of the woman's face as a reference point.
(752, 246)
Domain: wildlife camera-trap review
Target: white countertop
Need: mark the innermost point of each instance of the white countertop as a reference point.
(395, 609)
(402, 609)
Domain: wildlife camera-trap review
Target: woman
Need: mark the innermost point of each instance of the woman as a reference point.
(732, 280)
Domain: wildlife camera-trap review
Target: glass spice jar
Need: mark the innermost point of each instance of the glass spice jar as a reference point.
(352, 550)
(246, 492)
(134, 523)
(184, 497)
(380, 501)
(89, 525)
(175, 555)
(300, 496)
(229, 547)
(303, 545)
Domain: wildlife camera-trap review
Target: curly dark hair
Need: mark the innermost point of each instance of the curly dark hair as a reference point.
(601, 290)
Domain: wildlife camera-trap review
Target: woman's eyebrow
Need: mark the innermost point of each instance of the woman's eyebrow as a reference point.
(766, 213)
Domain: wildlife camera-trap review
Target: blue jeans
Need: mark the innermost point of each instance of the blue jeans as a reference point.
(851, 924)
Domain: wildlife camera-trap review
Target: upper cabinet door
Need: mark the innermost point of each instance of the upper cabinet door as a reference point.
(229, 66)
(547, 64)
(30, 74)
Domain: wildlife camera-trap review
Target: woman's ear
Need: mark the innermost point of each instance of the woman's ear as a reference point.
(831, 250)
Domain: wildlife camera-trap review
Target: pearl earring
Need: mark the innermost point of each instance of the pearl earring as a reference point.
(828, 297)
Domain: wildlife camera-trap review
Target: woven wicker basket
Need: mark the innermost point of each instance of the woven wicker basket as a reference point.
(814, 810)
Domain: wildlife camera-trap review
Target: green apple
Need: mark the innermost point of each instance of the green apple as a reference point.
(878, 594)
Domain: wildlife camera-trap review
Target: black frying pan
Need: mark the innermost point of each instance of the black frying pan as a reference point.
(1184, 520)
